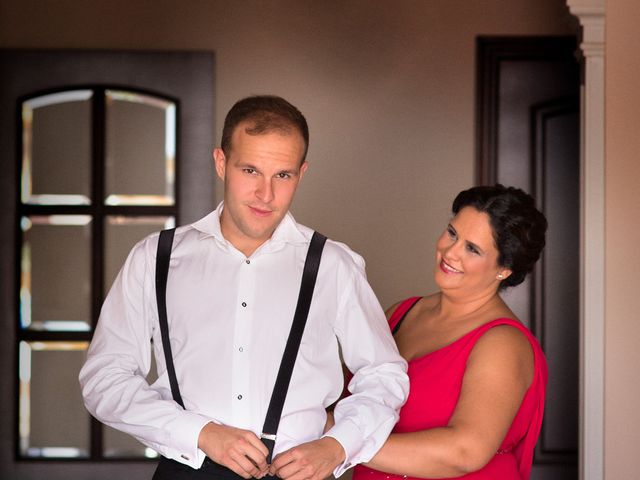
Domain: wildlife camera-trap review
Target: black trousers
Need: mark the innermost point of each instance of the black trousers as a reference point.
(172, 470)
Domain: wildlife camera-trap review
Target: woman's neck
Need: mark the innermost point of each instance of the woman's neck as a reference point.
(454, 306)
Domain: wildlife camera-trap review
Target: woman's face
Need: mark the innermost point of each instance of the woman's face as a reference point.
(467, 256)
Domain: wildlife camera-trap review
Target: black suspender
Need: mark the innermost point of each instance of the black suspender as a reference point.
(162, 271)
(309, 274)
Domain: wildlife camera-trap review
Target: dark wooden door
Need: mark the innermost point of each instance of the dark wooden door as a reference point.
(528, 136)
(186, 77)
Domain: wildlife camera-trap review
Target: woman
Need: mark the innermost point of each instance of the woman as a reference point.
(478, 376)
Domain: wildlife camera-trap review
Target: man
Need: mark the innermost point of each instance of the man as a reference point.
(232, 290)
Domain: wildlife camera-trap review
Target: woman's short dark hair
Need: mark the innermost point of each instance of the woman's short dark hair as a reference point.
(518, 226)
(266, 113)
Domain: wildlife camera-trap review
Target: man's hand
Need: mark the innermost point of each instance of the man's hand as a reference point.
(237, 449)
(314, 460)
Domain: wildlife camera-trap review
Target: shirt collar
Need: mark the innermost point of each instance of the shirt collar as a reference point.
(287, 232)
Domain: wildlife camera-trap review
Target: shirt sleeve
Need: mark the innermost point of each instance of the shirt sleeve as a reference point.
(379, 386)
(114, 376)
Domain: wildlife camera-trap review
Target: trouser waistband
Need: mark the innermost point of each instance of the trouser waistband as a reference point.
(172, 470)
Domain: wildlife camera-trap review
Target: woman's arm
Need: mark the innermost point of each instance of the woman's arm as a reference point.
(330, 422)
(499, 371)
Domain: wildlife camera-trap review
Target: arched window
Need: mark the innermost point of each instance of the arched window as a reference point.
(98, 168)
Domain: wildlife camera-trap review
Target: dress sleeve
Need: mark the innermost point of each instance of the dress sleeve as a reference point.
(113, 378)
(538, 392)
(528, 419)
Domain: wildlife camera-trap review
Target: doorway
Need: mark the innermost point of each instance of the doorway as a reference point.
(528, 136)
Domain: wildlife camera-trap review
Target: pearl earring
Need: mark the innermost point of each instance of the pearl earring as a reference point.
(500, 276)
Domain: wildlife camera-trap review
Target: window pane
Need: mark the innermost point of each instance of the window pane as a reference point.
(121, 234)
(55, 285)
(120, 445)
(52, 418)
(56, 153)
(140, 149)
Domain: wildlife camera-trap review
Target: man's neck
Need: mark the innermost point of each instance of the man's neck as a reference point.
(247, 248)
(242, 243)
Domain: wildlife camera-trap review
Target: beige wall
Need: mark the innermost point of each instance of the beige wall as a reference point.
(622, 237)
(387, 87)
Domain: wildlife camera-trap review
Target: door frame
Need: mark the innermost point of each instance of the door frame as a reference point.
(591, 15)
(492, 53)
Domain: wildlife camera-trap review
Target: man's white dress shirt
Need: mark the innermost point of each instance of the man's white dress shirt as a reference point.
(229, 318)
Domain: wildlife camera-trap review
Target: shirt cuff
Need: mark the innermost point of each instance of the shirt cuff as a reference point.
(185, 439)
(349, 436)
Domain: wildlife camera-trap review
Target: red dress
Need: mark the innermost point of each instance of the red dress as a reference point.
(436, 380)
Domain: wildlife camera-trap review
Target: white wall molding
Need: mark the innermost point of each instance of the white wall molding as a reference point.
(591, 14)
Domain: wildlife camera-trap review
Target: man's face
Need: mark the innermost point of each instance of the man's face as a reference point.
(260, 177)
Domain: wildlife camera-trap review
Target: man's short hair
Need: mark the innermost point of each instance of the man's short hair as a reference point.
(266, 113)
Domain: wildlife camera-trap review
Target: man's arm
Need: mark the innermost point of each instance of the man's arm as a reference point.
(379, 387)
(113, 379)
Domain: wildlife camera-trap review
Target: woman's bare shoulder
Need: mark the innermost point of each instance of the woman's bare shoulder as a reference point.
(505, 348)
(506, 335)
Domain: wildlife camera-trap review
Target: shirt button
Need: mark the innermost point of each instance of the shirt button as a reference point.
(244, 304)
(247, 261)
(241, 349)
(239, 397)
